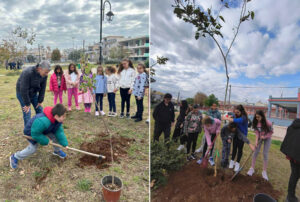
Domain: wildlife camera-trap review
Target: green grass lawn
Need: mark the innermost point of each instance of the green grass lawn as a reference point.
(66, 181)
(278, 168)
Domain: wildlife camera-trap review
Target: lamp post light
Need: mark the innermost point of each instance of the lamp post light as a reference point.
(109, 18)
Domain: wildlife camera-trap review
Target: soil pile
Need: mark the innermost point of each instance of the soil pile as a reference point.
(102, 146)
(194, 183)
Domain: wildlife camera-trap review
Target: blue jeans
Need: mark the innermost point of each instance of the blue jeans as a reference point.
(99, 98)
(34, 102)
(112, 102)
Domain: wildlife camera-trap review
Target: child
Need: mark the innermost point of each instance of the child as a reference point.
(228, 133)
(183, 138)
(42, 127)
(180, 121)
(126, 74)
(86, 97)
(112, 88)
(100, 90)
(163, 115)
(192, 128)
(72, 81)
(212, 127)
(263, 131)
(242, 121)
(58, 84)
(139, 91)
(290, 147)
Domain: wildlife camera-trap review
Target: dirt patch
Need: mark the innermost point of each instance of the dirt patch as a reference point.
(102, 146)
(194, 183)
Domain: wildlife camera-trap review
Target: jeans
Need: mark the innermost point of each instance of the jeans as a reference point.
(238, 146)
(34, 102)
(162, 127)
(72, 92)
(31, 148)
(225, 149)
(99, 98)
(140, 107)
(111, 101)
(59, 95)
(191, 139)
(125, 98)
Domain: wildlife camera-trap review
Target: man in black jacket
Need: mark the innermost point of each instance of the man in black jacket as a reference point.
(164, 116)
(31, 87)
(290, 147)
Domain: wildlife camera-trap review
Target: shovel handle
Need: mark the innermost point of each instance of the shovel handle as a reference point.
(70, 148)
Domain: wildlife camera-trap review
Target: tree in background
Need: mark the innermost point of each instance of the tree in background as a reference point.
(31, 58)
(75, 55)
(160, 60)
(208, 23)
(118, 53)
(55, 56)
(200, 98)
(210, 100)
(190, 101)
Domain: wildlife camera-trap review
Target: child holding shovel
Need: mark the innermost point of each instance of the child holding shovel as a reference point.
(228, 133)
(263, 131)
(42, 127)
(212, 127)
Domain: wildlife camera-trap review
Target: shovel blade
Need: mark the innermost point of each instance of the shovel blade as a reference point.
(204, 163)
(236, 173)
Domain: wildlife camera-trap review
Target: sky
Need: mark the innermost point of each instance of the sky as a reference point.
(266, 52)
(56, 21)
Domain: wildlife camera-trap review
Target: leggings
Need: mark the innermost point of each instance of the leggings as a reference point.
(99, 98)
(212, 137)
(59, 95)
(125, 98)
(191, 139)
(237, 147)
(267, 144)
(295, 175)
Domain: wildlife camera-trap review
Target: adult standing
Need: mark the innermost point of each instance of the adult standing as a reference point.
(180, 121)
(164, 116)
(31, 87)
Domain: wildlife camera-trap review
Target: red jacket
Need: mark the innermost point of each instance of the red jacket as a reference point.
(54, 83)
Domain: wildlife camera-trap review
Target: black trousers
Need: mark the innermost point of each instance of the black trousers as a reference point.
(205, 145)
(295, 175)
(237, 147)
(177, 132)
(140, 107)
(191, 141)
(125, 98)
(160, 128)
(183, 139)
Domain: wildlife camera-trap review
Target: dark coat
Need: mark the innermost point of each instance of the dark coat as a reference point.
(164, 114)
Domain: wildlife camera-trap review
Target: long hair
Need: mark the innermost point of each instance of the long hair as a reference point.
(111, 69)
(264, 125)
(242, 110)
(75, 70)
(184, 106)
(121, 67)
(58, 67)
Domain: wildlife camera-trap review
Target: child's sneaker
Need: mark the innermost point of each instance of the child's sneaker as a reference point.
(138, 120)
(13, 162)
(193, 156)
(250, 172)
(189, 158)
(211, 161)
(236, 167)
(77, 108)
(109, 114)
(60, 154)
(199, 161)
(148, 120)
(231, 164)
(135, 116)
(128, 115)
(180, 147)
(198, 150)
(114, 114)
(264, 175)
(102, 113)
(122, 115)
(96, 113)
(69, 109)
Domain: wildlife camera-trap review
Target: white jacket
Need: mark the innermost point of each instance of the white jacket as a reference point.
(112, 83)
(127, 77)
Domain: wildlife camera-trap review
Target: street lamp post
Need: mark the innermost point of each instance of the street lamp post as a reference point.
(109, 17)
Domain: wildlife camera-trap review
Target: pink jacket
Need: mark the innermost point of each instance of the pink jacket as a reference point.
(69, 81)
(54, 83)
(215, 128)
(267, 135)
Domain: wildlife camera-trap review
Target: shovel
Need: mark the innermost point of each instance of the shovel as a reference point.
(100, 157)
(205, 159)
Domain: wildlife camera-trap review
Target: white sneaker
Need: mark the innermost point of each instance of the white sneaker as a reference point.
(110, 114)
(250, 172)
(198, 150)
(180, 147)
(264, 175)
(102, 113)
(114, 114)
(236, 167)
(96, 113)
(148, 120)
(231, 164)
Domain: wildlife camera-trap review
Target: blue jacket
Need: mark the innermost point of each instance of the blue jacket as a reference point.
(101, 84)
(242, 123)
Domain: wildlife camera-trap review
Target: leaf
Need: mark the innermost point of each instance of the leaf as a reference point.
(226, 5)
(221, 17)
(252, 15)
(197, 35)
(208, 10)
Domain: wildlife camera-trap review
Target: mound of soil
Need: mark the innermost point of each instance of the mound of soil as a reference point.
(102, 146)
(194, 183)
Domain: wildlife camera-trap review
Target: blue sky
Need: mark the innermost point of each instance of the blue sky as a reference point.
(266, 52)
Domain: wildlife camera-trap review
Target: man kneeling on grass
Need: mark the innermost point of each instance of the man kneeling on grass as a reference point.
(42, 127)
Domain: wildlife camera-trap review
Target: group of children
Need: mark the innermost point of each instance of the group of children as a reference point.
(191, 121)
(107, 83)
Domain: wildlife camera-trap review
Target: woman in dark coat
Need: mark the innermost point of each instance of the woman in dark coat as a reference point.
(180, 120)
